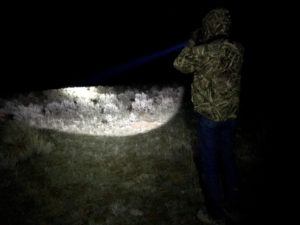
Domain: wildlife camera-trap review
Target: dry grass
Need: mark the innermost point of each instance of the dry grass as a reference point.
(51, 177)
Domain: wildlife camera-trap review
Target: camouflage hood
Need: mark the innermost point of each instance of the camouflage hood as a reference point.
(217, 22)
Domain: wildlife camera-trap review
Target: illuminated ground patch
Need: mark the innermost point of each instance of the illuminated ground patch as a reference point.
(105, 111)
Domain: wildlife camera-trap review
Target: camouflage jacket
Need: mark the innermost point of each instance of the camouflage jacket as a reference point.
(216, 67)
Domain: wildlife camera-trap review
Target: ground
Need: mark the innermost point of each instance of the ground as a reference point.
(50, 176)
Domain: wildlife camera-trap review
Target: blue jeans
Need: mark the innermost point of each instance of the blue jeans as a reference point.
(218, 168)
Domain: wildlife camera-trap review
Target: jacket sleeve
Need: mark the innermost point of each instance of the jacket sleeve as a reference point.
(185, 62)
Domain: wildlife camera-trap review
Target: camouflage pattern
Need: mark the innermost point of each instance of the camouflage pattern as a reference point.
(216, 22)
(216, 65)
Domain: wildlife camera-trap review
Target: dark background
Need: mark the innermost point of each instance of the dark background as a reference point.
(46, 45)
(53, 45)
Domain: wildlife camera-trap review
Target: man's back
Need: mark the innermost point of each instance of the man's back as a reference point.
(216, 84)
(216, 65)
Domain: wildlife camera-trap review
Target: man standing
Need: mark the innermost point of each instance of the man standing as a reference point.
(215, 62)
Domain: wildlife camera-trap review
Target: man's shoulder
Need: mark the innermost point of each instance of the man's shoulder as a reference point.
(234, 45)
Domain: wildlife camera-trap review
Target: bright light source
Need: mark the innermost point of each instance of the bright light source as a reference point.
(100, 111)
(81, 92)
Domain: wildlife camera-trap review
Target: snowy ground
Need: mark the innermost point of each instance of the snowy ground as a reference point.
(105, 111)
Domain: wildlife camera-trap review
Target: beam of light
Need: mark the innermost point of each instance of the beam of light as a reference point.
(99, 111)
(118, 69)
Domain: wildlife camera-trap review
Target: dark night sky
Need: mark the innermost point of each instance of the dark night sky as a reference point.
(63, 44)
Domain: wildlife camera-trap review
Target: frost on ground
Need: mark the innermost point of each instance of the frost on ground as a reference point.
(106, 111)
